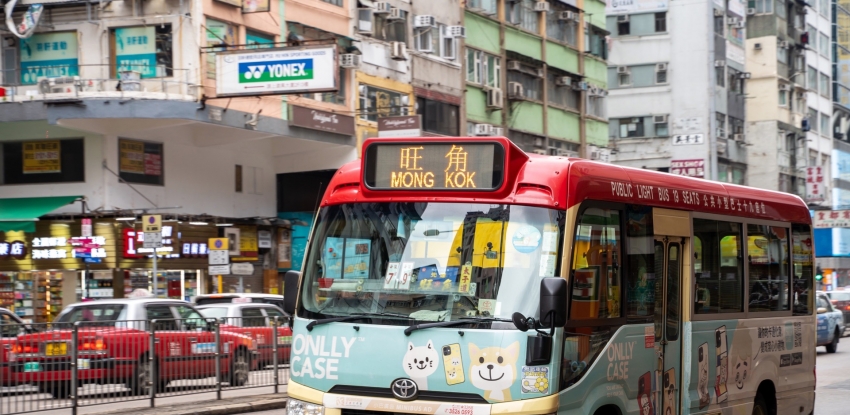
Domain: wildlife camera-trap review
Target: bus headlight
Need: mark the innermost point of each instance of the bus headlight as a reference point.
(296, 407)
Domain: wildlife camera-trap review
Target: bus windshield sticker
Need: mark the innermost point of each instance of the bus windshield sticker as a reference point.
(392, 272)
(535, 380)
(357, 255)
(487, 306)
(526, 239)
(547, 265)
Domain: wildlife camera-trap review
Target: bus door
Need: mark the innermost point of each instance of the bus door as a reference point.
(669, 260)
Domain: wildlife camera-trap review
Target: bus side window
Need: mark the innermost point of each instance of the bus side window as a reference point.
(720, 275)
(803, 273)
(640, 270)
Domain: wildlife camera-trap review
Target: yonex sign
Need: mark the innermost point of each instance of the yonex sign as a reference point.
(277, 71)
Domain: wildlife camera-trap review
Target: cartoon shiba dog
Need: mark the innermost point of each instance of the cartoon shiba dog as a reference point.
(420, 362)
(493, 370)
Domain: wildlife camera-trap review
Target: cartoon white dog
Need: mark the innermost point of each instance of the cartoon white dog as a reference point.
(493, 370)
(420, 362)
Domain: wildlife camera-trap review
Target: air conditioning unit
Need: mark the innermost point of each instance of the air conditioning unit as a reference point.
(718, 13)
(751, 11)
(498, 131)
(494, 98)
(784, 87)
(424, 21)
(395, 14)
(483, 129)
(592, 91)
(350, 60)
(515, 90)
(623, 18)
(745, 75)
(382, 7)
(660, 67)
(719, 64)
(731, 21)
(622, 69)
(738, 137)
(659, 119)
(757, 46)
(568, 15)
(514, 66)
(399, 51)
(741, 24)
(458, 32)
(59, 85)
(566, 153)
(563, 81)
(540, 151)
(540, 73)
(541, 6)
(580, 86)
(721, 133)
(783, 44)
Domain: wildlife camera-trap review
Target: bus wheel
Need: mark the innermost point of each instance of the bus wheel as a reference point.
(833, 346)
(760, 406)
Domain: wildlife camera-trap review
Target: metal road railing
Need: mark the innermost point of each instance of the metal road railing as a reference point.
(54, 366)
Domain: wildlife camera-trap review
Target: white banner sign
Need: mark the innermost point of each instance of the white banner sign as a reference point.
(685, 139)
(276, 71)
(832, 219)
(219, 270)
(242, 269)
(635, 6)
(815, 188)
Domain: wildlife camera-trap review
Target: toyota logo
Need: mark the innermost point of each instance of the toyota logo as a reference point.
(404, 389)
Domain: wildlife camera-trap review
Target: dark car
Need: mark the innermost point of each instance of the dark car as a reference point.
(841, 301)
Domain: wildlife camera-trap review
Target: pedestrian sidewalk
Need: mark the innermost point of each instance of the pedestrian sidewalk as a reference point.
(226, 406)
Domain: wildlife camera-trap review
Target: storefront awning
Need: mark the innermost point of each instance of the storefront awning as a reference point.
(20, 214)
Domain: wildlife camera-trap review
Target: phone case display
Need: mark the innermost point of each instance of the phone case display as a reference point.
(24, 297)
(7, 290)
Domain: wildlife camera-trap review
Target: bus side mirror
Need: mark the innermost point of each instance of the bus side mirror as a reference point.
(290, 290)
(553, 302)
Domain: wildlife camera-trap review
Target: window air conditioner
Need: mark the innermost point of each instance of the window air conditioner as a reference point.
(751, 11)
(483, 129)
(540, 151)
(721, 133)
(784, 87)
(498, 131)
(515, 90)
(660, 67)
(424, 21)
(456, 32)
(541, 6)
(59, 85)
(622, 69)
(567, 15)
(718, 13)
(395, 14)
(514, 66)
(745, 75)
(659, 119)
(731, 21)
(738, 137)
(563, 81)
(719, 64)
(382, 7)
(783, 44)
(399, 51)
(623, 18)
(494, 98)
(349, 60)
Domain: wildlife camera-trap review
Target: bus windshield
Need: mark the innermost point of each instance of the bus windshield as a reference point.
(430, 261)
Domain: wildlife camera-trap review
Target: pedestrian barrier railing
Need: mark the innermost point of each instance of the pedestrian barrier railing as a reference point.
(73, 365)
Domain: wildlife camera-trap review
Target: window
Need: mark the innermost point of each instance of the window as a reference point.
(145, 49)
(10, 327)
(253, 317)
(631, 127)
(93, 315)
(769, 268)
(812, 79)
(824, 85)
(438, 117)
(661, 74)
(391, 30)
(483, 68)
(720, 118)
(376, 102)
(823, 44)
(720, 76)
(736, 84)
(660, 22)
(527, 142)
(562, 95)
(823, 7)
(190, 318)
(803, 271)
(334, 2)
(436, 41)
(219, 35)
(238, 178)
(257, 40)
(140, 162)
(718, 266)
(275, 313)
(47, 55)
(719, 25)
(482, 6)
(521, 13)
(595, 42)
(596, 266)
(42, 161)
(596, 106)
(531, 84)
(662, 129)
(337, 97)
(736, 125)
(640, 260)
(782, 54)
(783, 98)
(781, 11)
(624, 25)
(624, 78)
(164, 316)
(761, 6)
(813, 119)
(565, 31)
(824, 125)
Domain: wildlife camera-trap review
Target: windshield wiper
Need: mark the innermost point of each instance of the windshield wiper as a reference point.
(459, 322)
(352, 317)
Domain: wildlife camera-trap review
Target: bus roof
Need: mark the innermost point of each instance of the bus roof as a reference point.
(560, 182)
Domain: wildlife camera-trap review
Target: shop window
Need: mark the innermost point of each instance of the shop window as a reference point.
(438, 117)
(631, 127)
(803, 271)
(377, 102)
(641, 268)
(768, 268)
(596, 266)
(391, 30)
(145, 50)
(719, 281)
(483, 68)
(141, 162)
(43, 161)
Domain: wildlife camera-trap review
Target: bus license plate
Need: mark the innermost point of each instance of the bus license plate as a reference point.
(83, 364)
(56, 349)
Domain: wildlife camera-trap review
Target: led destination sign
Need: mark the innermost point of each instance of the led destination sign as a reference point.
(434, 166)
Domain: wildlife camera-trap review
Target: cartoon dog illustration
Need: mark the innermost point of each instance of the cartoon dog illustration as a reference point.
(420, 362)
(493, 370)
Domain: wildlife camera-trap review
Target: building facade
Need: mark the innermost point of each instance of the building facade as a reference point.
(677, 96)
(535, 72)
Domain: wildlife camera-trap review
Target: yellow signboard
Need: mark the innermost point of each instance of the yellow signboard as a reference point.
(248, 244)
(219, 244)
(131, 156)
(152, 223)
(42, 157)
